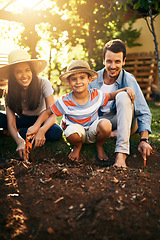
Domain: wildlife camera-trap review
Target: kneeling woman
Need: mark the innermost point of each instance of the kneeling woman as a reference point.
(28, 95)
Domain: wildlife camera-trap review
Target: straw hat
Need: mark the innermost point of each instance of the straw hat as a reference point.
(78, 66)
(20, 56)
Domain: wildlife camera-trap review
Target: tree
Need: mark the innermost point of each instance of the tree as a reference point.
(93, 23)
(146, 8)
(89, 23)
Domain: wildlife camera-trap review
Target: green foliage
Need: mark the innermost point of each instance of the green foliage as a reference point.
(146, 4)
(93, 23)
(155, 110)
(74, 30)
(142, 6)
(129, 36)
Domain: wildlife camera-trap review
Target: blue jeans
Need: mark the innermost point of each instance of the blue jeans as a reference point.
(23, 122)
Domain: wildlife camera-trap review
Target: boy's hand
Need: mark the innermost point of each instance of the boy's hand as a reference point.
(63, 124)
(131, 94)
(39, 139)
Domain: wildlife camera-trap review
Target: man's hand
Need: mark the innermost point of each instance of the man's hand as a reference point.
(145, 149)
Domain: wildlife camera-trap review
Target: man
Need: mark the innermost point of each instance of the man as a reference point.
(121, 112)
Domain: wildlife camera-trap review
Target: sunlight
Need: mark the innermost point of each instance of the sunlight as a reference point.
(27, 3)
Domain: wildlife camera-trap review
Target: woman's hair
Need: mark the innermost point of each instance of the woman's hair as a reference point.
(14, 97)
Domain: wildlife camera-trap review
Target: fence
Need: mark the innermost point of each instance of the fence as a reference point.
(144, 67)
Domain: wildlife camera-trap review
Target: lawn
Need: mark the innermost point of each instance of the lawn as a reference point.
(8, 146)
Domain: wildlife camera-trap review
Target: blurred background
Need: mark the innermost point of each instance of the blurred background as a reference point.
(60, 31)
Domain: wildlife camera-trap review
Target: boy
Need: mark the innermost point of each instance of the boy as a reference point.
(80, 108)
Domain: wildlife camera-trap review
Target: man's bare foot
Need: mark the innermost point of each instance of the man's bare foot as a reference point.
(74, 154)
(101, 154)
(113, 134)
(120, 160)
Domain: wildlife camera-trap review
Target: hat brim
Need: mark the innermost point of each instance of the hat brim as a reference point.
(38, 64)
(63, 77)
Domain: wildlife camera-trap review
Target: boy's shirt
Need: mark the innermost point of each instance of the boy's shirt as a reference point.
(74, 113)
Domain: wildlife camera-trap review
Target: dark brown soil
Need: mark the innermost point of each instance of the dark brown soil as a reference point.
(53, 198)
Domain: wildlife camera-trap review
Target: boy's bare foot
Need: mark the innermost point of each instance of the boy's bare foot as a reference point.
(120, 160)
(113, 134)
(101, 154)
(74, 154)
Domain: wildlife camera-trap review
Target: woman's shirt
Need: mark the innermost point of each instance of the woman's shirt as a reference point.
(46, 91)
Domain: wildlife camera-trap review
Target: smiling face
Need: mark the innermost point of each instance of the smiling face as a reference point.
(113, 63)
(79, 82)
(23, 74)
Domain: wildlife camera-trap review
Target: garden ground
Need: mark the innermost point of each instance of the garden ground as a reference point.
(52, 198)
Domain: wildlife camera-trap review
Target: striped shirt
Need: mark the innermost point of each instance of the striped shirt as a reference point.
(85, 114)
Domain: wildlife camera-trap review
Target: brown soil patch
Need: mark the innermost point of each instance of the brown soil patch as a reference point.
(53, 198)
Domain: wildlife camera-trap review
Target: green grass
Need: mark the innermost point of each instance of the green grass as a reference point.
(8, 146)
(155, 126)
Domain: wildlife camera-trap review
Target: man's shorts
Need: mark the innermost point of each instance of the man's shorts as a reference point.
(88, 134)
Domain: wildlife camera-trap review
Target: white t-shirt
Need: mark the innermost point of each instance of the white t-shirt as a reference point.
(46, 91)
(108, 89)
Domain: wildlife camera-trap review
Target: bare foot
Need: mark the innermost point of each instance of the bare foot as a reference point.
(101, 154)
(113, 134)
(120, 160)
(74, 154)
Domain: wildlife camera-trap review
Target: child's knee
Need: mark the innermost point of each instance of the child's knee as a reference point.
(74, 138)
(104, 126)
(74, 130)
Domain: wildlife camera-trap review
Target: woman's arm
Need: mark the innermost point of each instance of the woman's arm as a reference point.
(39, 139)
(49, 119)
(49, 101)
(11, 119)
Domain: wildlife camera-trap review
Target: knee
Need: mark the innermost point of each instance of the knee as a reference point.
(104, 126)
(123, 98)
(54, 133)
(74, 138)
(74, 129)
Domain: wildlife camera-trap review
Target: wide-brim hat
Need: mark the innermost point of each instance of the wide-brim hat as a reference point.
(20, 56)
(78, 66)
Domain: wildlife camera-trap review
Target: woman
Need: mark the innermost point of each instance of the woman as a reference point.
(28, 95)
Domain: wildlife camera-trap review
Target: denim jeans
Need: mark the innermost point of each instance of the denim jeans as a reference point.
(23, 122)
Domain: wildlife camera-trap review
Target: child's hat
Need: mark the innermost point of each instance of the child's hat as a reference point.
(20, 56)
(78, 66)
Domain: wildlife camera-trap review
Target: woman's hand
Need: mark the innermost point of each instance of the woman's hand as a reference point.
(131, 94)
(32, 131)
(21, 149)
